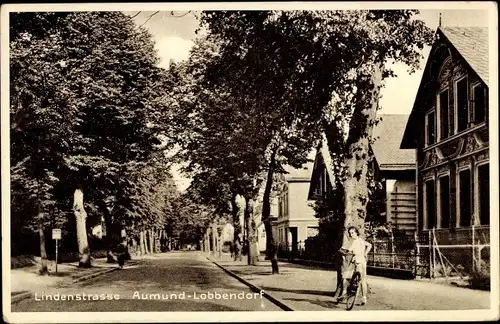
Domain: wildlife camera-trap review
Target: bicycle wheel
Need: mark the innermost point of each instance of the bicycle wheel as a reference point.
(352, 291)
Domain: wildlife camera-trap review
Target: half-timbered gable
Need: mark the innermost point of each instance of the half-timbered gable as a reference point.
(448, 127)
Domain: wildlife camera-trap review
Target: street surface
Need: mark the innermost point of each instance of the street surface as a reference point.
(175, 281)
(305, 288)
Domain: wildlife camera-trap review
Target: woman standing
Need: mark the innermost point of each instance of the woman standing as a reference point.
(359, 248)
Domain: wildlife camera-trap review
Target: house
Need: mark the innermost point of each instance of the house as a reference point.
(227, 233)
(396, 170)
(392, 166)
(296, 221)
(448, 128)
(261, 229)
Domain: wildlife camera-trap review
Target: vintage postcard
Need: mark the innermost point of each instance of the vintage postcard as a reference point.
(250, 162)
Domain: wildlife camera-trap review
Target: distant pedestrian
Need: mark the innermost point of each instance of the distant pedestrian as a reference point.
(231, 249)
(237, 250)
(122, 253)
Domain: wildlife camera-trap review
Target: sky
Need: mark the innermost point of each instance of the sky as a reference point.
(174, 32)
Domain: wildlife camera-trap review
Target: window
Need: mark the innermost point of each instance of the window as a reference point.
(280, 206)
(325, 190)
(430, 206)
(464, 195)
(483, 176)
(286, 202)
(444, 115)
(479, 101)
(444, 202)
(431, 128)
(462, 104)
(312, 231)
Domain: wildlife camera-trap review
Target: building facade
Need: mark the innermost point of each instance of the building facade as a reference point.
(448, 128)
(396, 171)
(393, 167)
(296, 221)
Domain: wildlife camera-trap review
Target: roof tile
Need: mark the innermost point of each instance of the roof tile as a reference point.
(388, 134)
(472, 44)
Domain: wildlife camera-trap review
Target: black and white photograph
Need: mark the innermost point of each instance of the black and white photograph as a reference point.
(235, 162)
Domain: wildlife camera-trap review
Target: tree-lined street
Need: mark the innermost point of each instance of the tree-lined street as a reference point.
(198, 284)
(99, 131)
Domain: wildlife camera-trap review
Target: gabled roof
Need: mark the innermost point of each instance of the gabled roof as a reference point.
(323, 156)
(389, 156)
(472, 44)
(388, 133)
(322, 160)
(327, 159)
(304, 172)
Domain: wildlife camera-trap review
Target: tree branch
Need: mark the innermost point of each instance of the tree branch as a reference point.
(185, 14)
(151, 16)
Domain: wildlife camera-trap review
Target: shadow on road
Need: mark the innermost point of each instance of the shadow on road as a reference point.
(300, 291)
(150, 276)
(323, 303)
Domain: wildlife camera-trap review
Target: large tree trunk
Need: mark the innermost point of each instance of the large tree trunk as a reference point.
(134, 245)
(358, 157)
(236, 226)
(142, 247)
(271, 246)
(252, 256)
(151, 241)
(159, 238)
(214, 239)
(219, 241)
(163, 240)
(208, 242)
(81, 229)
(145, 241)
(43, 252)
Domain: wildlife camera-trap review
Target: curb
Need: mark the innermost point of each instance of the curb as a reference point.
(100, 273)
(93, 275)
(17, 298)
(253, 287)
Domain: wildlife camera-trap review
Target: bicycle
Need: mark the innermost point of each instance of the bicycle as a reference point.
(354, 282)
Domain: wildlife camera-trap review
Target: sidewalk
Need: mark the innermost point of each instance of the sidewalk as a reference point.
(305, 288)
(25, 281)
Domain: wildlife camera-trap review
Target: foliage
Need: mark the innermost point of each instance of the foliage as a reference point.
(193, 217)
(88, 107)
(314, 67)
(147, 199)
(315, 53)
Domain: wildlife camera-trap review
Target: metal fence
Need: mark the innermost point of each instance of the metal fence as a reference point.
(394, 252)
(461, 252)
(290, 251)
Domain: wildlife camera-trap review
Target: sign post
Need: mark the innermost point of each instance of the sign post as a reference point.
(56, 235)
